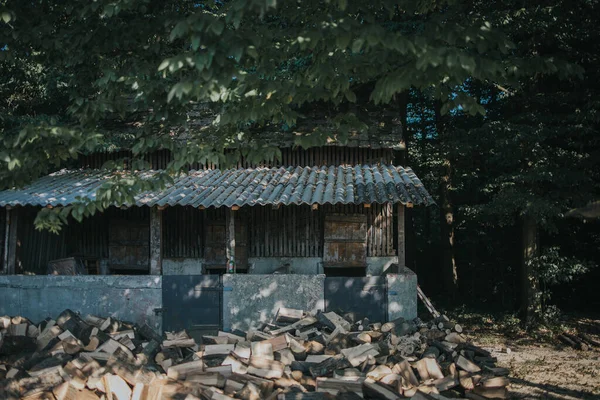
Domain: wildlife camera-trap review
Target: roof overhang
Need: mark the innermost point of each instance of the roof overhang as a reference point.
(359, 184)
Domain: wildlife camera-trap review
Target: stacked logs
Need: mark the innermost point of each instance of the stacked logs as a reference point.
(296, 355)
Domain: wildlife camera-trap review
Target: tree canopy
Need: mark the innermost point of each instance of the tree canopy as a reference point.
(499, 102)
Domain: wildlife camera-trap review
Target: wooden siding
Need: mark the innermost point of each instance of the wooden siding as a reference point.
(345, 240)
(380, 226)
(315, 156)
(293, 231)
(297, 231)
(88, 238)
(129, 245)
(183, 232)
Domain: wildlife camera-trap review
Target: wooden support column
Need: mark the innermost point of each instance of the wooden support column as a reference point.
(230, 250)
(10, 242)
(6, 239)
(155, 241)
(401, 244)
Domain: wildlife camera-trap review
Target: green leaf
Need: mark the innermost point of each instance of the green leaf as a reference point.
(164, 64)
(6, 17)
(195, 42)
(350, 96)
(357, 45)
(343, 40)
(217, 27)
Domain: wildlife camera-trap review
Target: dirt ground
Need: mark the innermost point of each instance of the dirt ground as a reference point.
(545, 368)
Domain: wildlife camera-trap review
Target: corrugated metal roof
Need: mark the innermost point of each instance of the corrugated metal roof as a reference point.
(240, 187)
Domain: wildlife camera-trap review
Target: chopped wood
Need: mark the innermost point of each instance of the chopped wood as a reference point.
(277, 343)
(376, 390)
(265, 368)
(288, 315)
(357, 355)
(232, 338)
(295, 355)
(404, 369)
(379, 372)
(334, 386)
(178, 343)
(213, 350)
(466, 365)
(498, 381)
(329, 365)
(208, 339)
(491, 392)
(428, 368)
(208, 379)
(262, 349)
(181, 371)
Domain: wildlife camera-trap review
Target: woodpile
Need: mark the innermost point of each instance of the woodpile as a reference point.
(296, 355)
(580, 341)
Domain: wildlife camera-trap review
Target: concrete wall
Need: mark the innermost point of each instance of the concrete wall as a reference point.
(377, 266)
(298, 265)
(182, 266)
(249, 300)
(130, 298)
(313, 265)
(402, 294)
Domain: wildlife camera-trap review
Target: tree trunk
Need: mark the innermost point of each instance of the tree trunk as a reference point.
(448, 264)
(530, 295)
(449, 272)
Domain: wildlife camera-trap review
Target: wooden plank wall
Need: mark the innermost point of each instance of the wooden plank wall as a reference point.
(88, 238)
(183, 232)
(380, 226)
(293, 231)
(316, 156)
(297, 231)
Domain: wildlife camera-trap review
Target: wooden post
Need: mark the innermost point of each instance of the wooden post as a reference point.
(155, 241)
(230, 250)
(6, 238)
(10, 245)
(401, 244)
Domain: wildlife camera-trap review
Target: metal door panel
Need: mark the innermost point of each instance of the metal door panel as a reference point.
(362, 296)
(193, 303)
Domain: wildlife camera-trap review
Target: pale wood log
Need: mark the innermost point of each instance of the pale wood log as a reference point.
(379, 391)
(288, 315)
(466, 365)
(334, 386)
(181, 371)
(265, 368)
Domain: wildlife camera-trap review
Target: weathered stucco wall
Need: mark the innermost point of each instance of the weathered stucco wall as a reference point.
(249, 300)
(130, 298)
(182, 266)
(298, 265)
(402, 294)
(377, 266)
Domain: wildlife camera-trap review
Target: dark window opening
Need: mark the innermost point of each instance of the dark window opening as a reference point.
(350, 272)
(222, 271)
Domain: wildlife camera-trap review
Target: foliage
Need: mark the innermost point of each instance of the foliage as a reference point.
(504, 94)
(535, 152)
(144, 67)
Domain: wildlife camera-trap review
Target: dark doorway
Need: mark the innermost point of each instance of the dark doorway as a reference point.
(364, 297)
(193, 303)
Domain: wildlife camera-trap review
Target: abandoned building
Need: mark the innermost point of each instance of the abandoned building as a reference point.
(325, 223)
